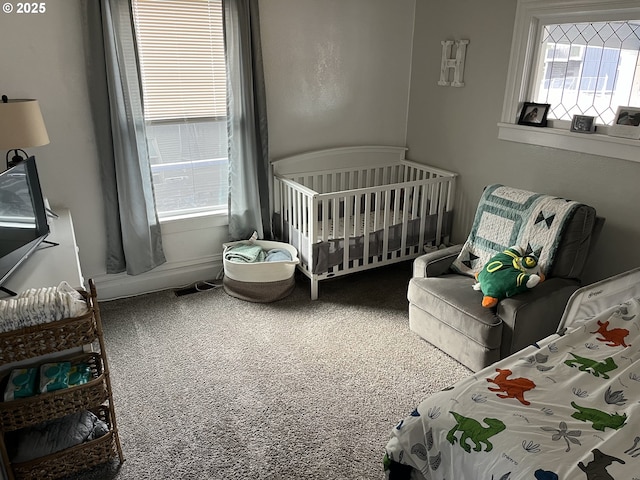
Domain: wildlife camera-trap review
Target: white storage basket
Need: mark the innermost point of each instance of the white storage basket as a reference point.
(260, 281)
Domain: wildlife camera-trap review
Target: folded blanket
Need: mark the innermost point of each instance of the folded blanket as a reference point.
(508, 216)
(245, 253)
(278, 255)
(55, 435)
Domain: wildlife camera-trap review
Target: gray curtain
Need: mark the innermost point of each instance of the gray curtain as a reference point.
(134, 241)
(249, 208)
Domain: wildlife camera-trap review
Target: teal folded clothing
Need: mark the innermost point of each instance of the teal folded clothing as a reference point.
(278, 255)
(245, 253)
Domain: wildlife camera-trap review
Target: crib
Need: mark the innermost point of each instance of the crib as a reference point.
(350, 209)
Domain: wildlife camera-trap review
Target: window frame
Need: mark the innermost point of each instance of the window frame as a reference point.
(149, 21)
(531, 16)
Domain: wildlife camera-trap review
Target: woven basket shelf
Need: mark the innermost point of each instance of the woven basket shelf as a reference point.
(29, 411)
(29, 342)
(54, 338)
(71, 460)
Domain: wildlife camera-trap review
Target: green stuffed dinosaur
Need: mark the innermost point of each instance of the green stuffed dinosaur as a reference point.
(506, 274)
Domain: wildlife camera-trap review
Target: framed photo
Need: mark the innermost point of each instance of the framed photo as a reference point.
(534, 114)
(626, 124)
(583, 124)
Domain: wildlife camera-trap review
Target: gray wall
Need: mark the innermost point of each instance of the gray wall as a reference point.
(336, 72)
(456, 129)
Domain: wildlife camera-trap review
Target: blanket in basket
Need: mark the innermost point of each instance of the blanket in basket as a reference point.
(508, 216)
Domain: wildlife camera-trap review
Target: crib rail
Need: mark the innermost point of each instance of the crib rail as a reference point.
(335, 180)
(368, 216)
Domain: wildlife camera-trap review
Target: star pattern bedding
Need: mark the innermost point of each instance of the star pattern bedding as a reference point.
(566, 408)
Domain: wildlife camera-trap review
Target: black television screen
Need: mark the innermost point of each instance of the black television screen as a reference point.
(23, 216)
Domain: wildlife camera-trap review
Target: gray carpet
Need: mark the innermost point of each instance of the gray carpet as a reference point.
(207, 386)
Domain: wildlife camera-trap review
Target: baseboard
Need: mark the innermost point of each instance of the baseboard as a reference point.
(166, 276)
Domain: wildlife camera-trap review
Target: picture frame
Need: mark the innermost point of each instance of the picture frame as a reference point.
(534, 114)
(583, 124)
(626, 123)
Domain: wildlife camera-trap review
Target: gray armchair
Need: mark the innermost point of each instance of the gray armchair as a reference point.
(446, 311)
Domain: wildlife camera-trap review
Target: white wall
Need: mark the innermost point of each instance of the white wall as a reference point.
(337, 73)
(42, 58)
(455, 128)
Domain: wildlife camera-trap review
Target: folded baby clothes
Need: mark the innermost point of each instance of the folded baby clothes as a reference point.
(278, 255)
(245, 253)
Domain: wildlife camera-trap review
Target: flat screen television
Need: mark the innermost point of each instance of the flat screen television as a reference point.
(23, 217)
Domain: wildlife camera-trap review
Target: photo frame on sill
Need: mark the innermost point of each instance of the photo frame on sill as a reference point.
(583, 124)
(626, 123)
(534, 114)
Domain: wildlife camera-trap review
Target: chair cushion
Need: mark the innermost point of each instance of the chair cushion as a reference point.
(574, 246)
(451, 299)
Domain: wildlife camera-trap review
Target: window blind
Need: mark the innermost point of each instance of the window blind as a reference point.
(182, 62)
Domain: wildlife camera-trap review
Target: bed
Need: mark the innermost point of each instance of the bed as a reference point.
(350, 209)
(565, 408)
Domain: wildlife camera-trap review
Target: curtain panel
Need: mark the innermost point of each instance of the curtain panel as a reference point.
(134, 240)
(249, 197)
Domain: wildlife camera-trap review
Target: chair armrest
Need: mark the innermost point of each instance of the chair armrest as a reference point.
(534, 314)
(436, 263)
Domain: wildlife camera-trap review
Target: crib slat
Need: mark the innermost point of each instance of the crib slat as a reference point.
(366, 232)
(336, 218)
(424, 198)
(348, 220)
(325, 220)
(298, 206)
(290, 213)
(405, 220)
(385, 225)
(357, 217)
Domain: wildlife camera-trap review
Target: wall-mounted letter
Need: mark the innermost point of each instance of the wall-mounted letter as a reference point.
(456, 63)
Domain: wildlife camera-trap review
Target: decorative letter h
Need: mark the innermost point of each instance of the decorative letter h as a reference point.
(457, 63)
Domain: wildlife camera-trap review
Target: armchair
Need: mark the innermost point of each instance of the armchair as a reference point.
(446, 311)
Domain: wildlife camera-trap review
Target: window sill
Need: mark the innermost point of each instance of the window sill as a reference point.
(194, 221)
(592, 143)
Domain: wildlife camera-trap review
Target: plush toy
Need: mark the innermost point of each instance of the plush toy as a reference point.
(506, 274)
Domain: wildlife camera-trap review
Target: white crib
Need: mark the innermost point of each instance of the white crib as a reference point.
(386, 207)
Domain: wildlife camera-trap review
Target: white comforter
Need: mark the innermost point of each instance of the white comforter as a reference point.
(567, 408)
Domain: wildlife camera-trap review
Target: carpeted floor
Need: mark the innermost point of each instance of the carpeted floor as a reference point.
(207, 386)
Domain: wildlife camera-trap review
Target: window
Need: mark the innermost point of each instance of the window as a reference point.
(589, 69)
(182, 66)
(583, 58)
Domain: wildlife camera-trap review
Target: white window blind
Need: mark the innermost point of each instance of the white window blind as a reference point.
(182, 63)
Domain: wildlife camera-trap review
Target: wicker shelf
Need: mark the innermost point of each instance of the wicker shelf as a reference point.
(95, 395)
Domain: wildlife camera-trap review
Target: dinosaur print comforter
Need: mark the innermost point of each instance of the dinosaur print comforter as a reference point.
(567, 408)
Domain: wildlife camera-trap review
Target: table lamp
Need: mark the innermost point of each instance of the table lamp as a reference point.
(21, 126)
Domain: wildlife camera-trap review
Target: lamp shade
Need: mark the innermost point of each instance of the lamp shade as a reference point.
(21, 125)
